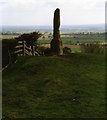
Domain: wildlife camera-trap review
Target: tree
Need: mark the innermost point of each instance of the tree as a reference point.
(30, 38)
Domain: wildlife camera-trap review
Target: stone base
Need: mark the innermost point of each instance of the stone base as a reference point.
(56, 47)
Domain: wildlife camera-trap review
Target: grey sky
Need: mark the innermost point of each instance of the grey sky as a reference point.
(40, 12)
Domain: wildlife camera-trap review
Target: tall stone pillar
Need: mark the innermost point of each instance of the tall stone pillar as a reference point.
(56, 43)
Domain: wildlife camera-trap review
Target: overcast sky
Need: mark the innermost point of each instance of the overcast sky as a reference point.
(40, 12)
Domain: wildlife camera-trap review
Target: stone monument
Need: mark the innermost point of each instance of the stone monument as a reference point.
(56, 43)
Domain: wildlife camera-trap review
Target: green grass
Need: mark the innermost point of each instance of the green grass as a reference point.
(55, 87)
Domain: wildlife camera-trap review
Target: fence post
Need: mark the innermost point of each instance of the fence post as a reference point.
(33, 50)
(23, 48)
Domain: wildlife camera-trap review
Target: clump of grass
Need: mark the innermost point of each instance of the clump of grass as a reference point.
(67, 50)
(93, 48)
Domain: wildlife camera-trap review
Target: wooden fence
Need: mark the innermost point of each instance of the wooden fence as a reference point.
(22, 49)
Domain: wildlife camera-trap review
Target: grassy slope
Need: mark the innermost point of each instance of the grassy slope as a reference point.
(55, 86)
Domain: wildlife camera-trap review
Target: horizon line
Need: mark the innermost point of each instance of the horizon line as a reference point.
(60, 25)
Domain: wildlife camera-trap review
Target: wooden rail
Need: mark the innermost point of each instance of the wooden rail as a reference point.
(23, 49)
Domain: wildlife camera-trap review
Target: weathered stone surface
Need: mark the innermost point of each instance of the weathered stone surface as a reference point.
(56, 43)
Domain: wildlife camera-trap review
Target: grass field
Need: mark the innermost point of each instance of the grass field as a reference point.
(55, 87)
(78, 38)
(8, 36)
(70, 41)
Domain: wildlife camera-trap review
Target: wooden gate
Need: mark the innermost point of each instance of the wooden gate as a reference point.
(22, 49)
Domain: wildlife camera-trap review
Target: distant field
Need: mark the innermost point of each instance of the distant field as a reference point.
(75, 48)
(67, 41)
(72, 40)
(8, 36)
